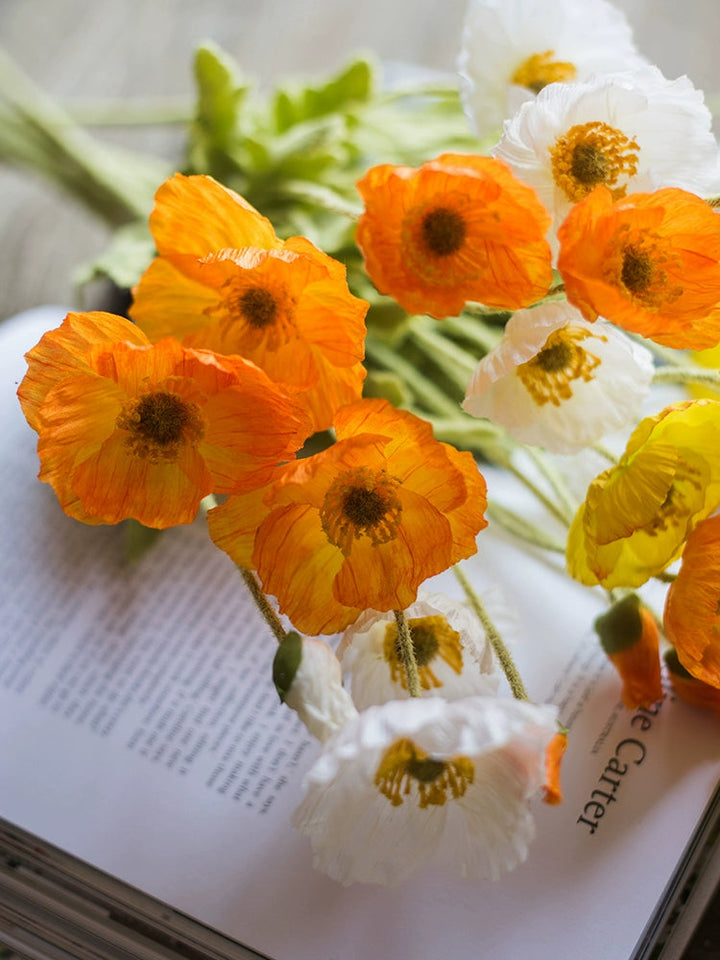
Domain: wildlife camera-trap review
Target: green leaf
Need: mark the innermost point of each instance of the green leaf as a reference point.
(221, 92)
(125, 259)
(286, 662)
(353, 85)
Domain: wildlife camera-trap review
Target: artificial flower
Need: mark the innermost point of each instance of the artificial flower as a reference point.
(553, 759)
(630, 132)
(689, 688)
(423, 781)
(315, 691)
(359, 525)
(692, 607)
(638, 514)
(631, 640)
(225, 282)
(512, 49)
(458, 228)
(453, 655)
(649, 263)
(131, 429)
(559, 382)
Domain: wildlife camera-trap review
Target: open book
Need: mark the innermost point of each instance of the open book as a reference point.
(149, 771)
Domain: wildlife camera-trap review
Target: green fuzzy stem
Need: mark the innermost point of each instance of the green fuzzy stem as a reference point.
(422, 388)
(116, 185)
(455, 362)
(682, 375)
(522, 529)
(550, 505)
(496, 641)
(263, 605)
(407, 653)
(556, 481)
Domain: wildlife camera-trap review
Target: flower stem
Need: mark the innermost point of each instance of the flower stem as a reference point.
(407, 653)
(496, 641)
(523, 529)
(262, 603)
(549, 504)
(710, 378)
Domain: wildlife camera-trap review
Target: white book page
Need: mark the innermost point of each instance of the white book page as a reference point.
(140, 732)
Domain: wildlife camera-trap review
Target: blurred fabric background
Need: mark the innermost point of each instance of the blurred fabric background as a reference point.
(80, 51)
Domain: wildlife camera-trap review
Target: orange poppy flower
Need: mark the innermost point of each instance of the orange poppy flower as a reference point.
(131, 429)
(689, 688)
(649, 262)
(553, 758)
(359, 525)
(630, 638)
(692, 606)
(225, 282)
(458, 228)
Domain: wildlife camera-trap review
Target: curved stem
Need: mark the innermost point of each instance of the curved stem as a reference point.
(263, 605)
(523, 529)
(556, 481)
(710, 378)
(549, 504)
(407, 653)
(496, 641)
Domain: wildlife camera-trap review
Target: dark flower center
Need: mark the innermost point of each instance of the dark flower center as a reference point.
(159, 424)
(259, 307)
(638, 270)
(443, 231)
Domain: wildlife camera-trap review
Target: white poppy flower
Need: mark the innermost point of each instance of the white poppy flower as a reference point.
(633, 131)
(511, 49)
(453, 655)
(316, 692)
(559, 382)
(421, 781)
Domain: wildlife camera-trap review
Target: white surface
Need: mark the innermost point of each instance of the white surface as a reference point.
(582, 894)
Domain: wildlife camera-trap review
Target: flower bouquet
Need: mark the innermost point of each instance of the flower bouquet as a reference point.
(352, 313)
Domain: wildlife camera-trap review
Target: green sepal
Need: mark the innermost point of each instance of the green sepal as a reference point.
(621, 626)
(674, 666)
(138, 539)
(286, 662)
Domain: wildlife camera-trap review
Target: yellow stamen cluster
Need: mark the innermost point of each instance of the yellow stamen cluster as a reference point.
(405, 768)
(590, 154)
(549, 374)
(361, 502)
(432, 637)
(159, 424)
(540, 69)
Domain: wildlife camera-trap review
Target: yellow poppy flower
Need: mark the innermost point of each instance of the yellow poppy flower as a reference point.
(360, 525)
(692, 607)
(131, 429)
(458, 228)
(637, 514)
(225, 282)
